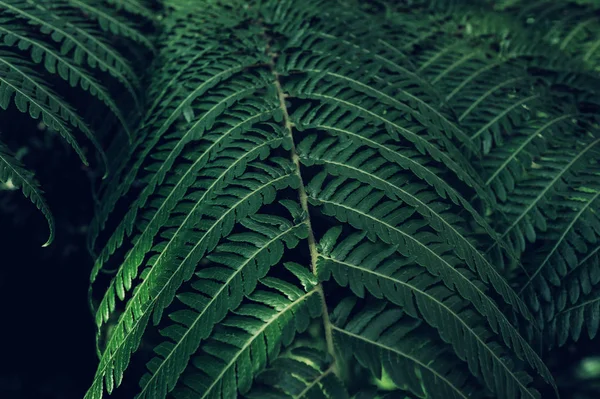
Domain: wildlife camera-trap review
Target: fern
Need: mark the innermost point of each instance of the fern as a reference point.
(15, 34)
(66, 28)
(21, 85)
(547, 179)
(136, 7)
(72, 49)
(440, 177)
(112, 23)
(403, 345)
(302, 372)
(11, 171)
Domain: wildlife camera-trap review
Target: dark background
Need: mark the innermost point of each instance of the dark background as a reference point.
(46, 331)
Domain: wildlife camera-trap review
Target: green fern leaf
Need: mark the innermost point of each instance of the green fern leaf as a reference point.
(300, 373)
(171, 111)
(441, 169)
(524, 209)
(111, 22)
(249, 196)
(570, 322)
(136, 7)
(55, 63)
(383, 338)
(195, 131)
(86, 46)
(416, 291)
(244, 341)
(32, 96)
(11, 170)
(18, 69)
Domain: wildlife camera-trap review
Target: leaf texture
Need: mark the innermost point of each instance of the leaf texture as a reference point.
(440, 176)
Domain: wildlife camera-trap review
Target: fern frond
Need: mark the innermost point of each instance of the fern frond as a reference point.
(562, 273)
(19, 69)
(406, 158)
(249, 339)
(158, 123)
(299, 373)
(347, 115)
(136, 7)
(28, 91)
(565, 25)
(570, 322)
(13, 172)
(332, 92)
(67, 29)
(352, 262)
(508, 164)
(383, 338)
(14, 34)
(366, 208)
(246, 197)
(249, 149)
(347, 159)
(525, 206)
(399, 161)
(490, 96)
(111, 22)
(236, 91)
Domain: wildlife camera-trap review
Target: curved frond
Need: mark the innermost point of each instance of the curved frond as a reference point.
(300, 373)
(419, 292)
(58, 66)
(30, 95)
(86, 46)
(383, 338)
(12, 172)
(112, 22)
(54, 106)
(14, 34)
(249, 339)
(440, 172)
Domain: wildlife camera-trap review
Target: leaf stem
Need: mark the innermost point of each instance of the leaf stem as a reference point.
(303, 198)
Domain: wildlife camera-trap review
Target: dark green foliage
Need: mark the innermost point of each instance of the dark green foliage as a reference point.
(54, 54)
(429, 173)
(329, 198)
